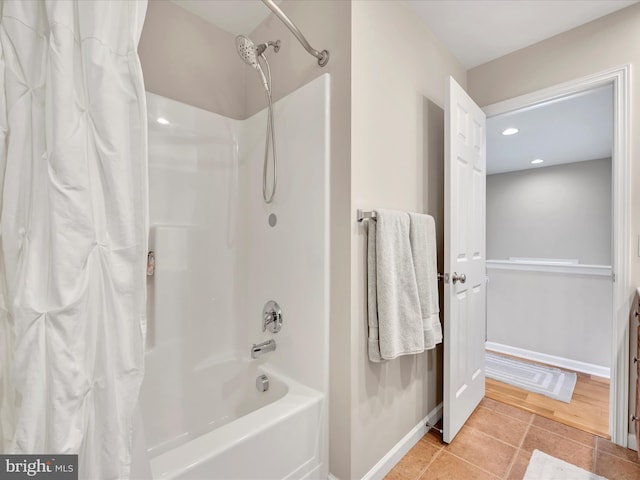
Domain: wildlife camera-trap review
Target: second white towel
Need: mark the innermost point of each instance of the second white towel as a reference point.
(422, 235)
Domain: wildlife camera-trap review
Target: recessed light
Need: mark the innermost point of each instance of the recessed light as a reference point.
(536, 161)
(162, 121)
(510, 131)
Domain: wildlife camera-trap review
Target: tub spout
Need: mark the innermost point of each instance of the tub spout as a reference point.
(257, 350)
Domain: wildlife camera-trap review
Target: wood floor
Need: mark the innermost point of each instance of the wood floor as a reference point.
(588, 410)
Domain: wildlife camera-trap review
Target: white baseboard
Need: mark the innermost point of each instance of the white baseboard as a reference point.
(401, 448)
(561, 362)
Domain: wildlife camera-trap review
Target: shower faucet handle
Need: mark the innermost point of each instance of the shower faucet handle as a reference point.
(271, 317)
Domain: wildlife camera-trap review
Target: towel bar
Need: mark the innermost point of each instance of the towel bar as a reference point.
(364, 215)
(371, 215)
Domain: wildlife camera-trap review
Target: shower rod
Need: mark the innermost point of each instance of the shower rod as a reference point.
(323, 56)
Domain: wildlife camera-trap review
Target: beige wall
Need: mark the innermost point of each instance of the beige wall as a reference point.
(397, 95)
(606, 43)
(191, 61)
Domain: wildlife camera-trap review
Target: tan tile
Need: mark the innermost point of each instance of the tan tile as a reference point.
(514, 412)
(433, 437)
(617, 451)
(560, 447)
(482, 451)
(411, 466)
(616, 468)
(396, 475)
(496, 425)
(579, 436)
(449, 467)
(519, 466)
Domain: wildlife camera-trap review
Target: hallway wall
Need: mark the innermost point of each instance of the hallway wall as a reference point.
(562, 211)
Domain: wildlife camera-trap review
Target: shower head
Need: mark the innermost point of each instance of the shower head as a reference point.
(249, 53)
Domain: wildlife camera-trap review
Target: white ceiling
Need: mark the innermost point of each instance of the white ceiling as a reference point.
(234, 16)
(477, 31)
(572, 129)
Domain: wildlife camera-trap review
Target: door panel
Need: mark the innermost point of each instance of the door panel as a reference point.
(465, 298)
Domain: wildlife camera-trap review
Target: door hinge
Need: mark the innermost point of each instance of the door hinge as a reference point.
(613, 277)
(151, 263)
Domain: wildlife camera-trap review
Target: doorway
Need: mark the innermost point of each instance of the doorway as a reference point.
(549, 296)
(617, 81)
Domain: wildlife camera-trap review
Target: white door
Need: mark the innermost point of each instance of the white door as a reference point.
(464, 259)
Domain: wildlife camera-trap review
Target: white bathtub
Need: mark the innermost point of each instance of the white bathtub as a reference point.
(217, 425)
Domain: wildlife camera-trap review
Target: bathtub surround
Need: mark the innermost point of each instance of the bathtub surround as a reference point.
(74, 227)
(222, 254)
(326, 23)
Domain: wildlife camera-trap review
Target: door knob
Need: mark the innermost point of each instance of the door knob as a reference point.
(458, 278)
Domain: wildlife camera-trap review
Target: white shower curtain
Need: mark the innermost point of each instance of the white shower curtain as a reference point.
(73, 226)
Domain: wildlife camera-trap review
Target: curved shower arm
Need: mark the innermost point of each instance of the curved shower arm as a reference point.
(323, 56)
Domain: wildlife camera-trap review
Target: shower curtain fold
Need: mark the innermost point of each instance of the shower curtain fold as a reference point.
(73, 229)
(7, 394)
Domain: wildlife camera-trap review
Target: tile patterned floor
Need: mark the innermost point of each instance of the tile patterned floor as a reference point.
(497, 443)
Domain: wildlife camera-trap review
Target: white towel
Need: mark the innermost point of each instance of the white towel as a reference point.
(372, 295)
(423, 248)
(395, 323)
